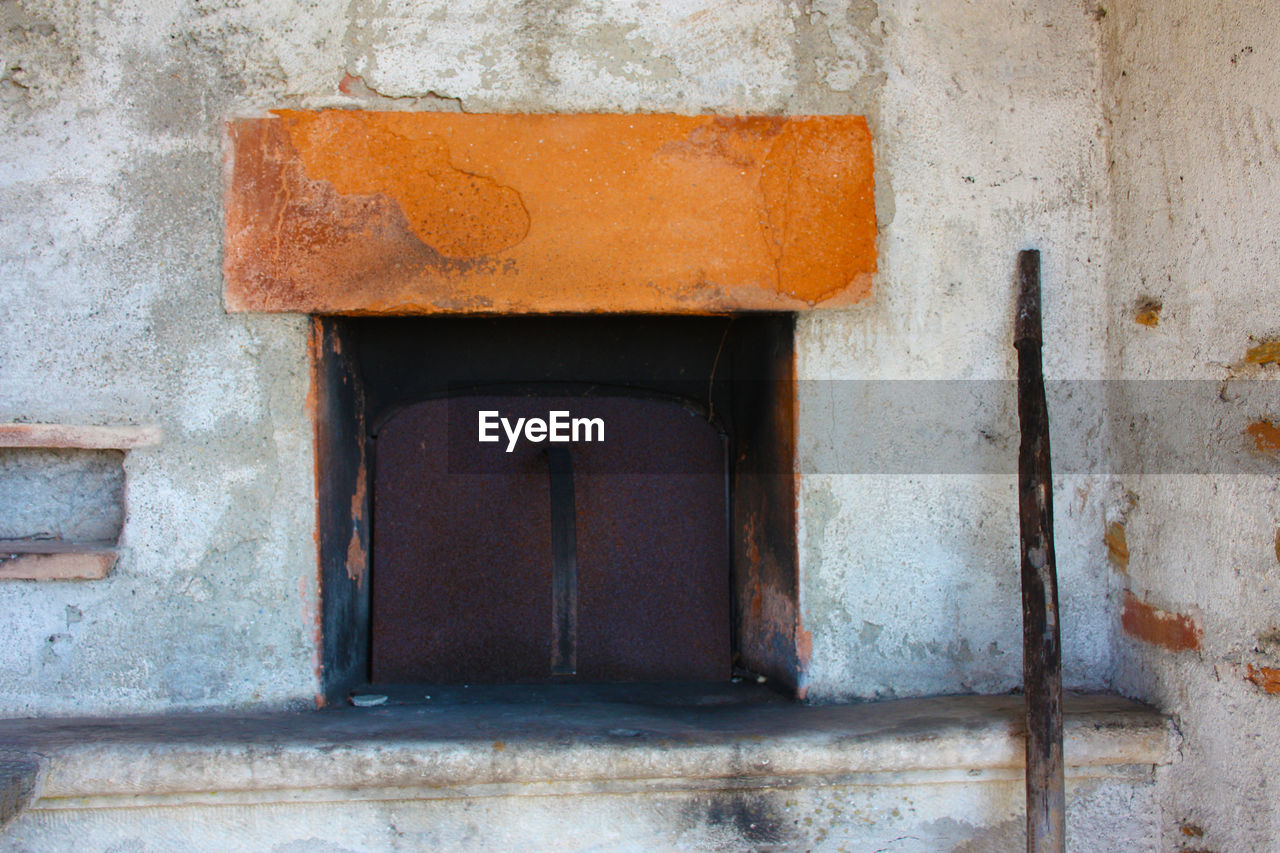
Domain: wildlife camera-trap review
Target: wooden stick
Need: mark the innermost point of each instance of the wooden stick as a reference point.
(1041, 642)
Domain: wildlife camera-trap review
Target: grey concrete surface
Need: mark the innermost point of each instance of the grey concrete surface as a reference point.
(61, 495)
(1194, 95)
(19, 783)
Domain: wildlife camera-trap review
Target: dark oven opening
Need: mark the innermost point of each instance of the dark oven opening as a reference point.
(510, 500)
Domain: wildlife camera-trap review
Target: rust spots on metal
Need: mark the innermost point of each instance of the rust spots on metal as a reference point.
(1265, 677)
(1266, 437)
(1264, 353)
(1117, 546)
(357, 551)
(1172, 631)
(335, 401)
(771, 639)
(466, 552)
(1147, 312)
(396, 212)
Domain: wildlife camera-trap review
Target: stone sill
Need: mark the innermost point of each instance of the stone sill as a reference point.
(469, 750)
(73, 436)
(26, 560)
(53, 561)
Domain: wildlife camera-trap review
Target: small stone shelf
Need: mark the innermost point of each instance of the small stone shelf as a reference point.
(69, 436)
(73, 558)
(52, 561)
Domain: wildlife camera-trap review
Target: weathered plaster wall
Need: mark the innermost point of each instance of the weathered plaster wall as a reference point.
(73, 495)
(110, 299)
(1136, 146)
(1193, 94)
(988, 140)
(987, 131)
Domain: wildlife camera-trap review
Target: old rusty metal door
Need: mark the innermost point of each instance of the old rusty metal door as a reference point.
(595, 561)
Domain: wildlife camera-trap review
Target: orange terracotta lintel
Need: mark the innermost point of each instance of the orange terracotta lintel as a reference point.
(352, 212)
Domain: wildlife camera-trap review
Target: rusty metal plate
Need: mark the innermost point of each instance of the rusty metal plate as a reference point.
(463, 556)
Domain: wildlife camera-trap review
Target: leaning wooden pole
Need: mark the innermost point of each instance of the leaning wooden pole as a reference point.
(1041, 643)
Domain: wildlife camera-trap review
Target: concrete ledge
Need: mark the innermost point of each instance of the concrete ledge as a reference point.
(425, 752)
(19, 779)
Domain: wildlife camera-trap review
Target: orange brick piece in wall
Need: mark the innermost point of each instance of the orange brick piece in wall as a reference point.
(341, 211)
(1172, 631)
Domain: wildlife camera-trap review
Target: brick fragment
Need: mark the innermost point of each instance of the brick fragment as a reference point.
(1266, 437)
(1264, 353)
(1147, 312)
(1117, 546)
(1266, 677)
(1172, 631)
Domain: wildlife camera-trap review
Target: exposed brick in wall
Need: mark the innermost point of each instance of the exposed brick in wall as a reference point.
(1117, 546)
(1264, 353)
(1172, 631)
(1266, 437)
(1265, 677)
